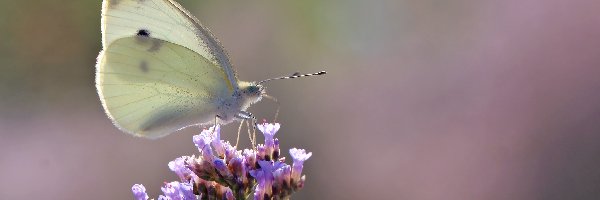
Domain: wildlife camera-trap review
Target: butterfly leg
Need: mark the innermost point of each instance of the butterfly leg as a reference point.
(252, 134)
(247, 116)
(244, 115)
(238, 133)
(215, 124)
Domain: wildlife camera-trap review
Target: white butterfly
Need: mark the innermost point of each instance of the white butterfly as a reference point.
(160, 70)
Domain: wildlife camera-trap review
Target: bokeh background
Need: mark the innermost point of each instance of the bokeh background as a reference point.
(425, 99)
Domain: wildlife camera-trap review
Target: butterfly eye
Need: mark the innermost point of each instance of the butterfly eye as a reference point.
(252, 90)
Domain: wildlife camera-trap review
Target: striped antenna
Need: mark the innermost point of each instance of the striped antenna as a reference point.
(295, 75)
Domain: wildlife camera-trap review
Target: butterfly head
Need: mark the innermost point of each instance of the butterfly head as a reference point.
(252, 91)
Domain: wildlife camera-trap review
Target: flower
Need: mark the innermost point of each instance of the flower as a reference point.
(161, 197)
(299, 156)
(217, 143)
(261, 152)
(222, 168)
(178, 191)
(139, 192)
(203, 141)
(282, 178)
(229, 195)
(238, 167)
(179, 167)
(233, 174)
(264, 177)
(231, 151)
(269, 131)
(251, 157)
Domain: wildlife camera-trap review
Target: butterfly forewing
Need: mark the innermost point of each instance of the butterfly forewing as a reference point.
(165, 20)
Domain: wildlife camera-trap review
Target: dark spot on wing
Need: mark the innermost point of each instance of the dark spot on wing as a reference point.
(143, 33)
(143, 36)
(155, 45)
(144, 66)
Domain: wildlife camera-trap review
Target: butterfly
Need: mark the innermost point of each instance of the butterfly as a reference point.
(161, 70)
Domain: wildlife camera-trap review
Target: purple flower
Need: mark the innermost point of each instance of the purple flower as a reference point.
(204, 138)
(250, 157)
(216, 141)
(161, 197)
(260, 189)
(171, 190)
(259, 193)
(264, 177)
(231, 152)
(282, 176)
(203, 141)
(238, 168)
(139, 192)
(299, 156)
(178, 191)
(229, 195)
(222, 168)
(257, 170)
(261, 151)
(187, 190)
(179, 167)
(269, 130)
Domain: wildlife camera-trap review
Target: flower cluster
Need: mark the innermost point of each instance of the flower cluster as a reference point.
(223, 172)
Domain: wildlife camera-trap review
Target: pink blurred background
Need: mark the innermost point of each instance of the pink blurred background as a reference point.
(425, 99)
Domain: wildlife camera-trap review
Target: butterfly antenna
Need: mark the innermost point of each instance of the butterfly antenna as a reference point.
(295, 75)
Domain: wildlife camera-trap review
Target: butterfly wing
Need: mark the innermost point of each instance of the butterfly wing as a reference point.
(151, 91)
(165, 20)
(160, 70)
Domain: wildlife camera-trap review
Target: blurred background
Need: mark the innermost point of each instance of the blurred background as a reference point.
(425, 99)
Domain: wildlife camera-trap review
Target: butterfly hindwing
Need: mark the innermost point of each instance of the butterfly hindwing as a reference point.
(152, 87)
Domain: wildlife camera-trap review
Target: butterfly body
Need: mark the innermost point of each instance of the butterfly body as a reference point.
(160, 70)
